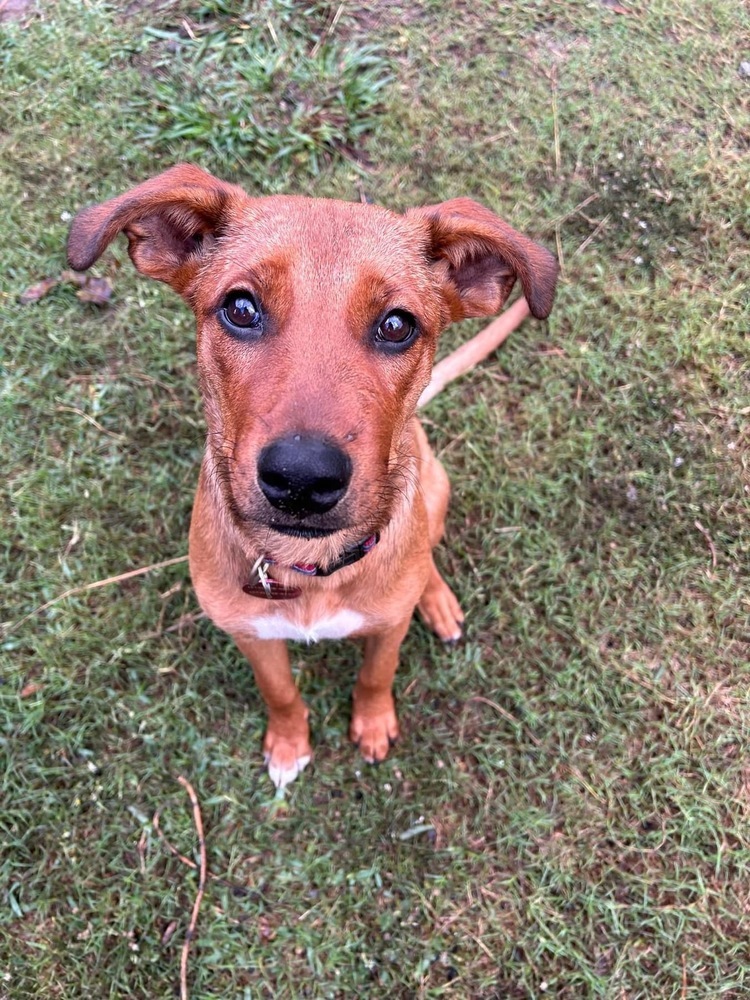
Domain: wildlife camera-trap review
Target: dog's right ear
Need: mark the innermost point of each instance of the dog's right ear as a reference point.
(168, 220)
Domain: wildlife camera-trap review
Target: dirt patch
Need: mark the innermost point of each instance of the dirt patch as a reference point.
(384, 17)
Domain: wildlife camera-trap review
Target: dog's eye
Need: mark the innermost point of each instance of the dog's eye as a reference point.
(398, 328)
(240, 313)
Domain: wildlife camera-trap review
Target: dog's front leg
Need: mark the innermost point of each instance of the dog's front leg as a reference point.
(286, 745)
(374, 726)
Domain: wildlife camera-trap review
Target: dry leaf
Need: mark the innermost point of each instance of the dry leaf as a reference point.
(31, 688)
(96, 290)
(38, 291)
(265, 931)
(79, 278)
(14, 10)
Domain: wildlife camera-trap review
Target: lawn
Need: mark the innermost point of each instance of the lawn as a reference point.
(568, 814)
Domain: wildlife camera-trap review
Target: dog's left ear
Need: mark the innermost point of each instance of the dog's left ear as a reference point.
(478, 257)
(169, 221)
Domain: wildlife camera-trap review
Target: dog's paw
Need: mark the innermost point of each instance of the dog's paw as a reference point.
(374, 734)
(285, 758)
(441, 611)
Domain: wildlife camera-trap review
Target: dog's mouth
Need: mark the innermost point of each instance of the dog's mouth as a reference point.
(302, 531)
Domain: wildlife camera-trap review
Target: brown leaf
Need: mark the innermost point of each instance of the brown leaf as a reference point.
(265, 931)
(75, 277)
(31, 688)
(96, 290)
(167, 935)
(38, 291)
(13, 10)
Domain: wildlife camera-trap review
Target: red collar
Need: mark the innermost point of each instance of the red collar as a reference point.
(263, 585)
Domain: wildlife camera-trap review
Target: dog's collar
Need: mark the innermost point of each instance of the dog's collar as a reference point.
(263, 585)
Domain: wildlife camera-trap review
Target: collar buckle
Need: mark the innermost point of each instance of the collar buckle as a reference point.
(263, 585)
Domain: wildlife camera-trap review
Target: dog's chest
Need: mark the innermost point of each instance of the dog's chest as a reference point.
(299, 628)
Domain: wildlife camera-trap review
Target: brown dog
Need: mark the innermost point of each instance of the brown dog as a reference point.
(319, 500)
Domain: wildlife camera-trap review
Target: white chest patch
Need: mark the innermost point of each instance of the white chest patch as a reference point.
(337, 626)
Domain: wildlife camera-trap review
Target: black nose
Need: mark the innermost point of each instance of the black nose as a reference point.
(303, 475)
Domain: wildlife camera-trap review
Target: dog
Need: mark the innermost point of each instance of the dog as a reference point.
(319, 500)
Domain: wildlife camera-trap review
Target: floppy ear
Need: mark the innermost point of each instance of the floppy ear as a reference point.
(478, 257)
(166, 220)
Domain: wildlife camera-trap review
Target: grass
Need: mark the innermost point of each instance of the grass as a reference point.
(578, 767)
(266, 91)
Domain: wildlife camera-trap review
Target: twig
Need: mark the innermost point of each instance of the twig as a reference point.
(568, 215)
(453, 443)
(506, 715)
(328, 31)
(142, 851)
(552, 352)
(591, 236)
(156, 823)
(684, 977)
(189, 618)
(575, 773)
(484, 947)
(556, 127)
(709, 540)
(560, 257)
(198, 820)
(272, 31)
(10, 626)
(90, 419)
(642, 682)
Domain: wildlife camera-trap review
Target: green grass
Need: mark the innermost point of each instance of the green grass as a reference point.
(265, 92)
(590, 816)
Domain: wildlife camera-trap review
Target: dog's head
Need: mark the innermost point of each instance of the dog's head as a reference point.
(317, 326)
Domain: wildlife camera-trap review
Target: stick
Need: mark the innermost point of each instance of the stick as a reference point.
(591, 236)
(10, 626)
(560, 257)
(709, 540)
(187, 619)
(505, 715)
(198, 820)
(90, 419)
(329, 31)
(568, 215)
(464, 358)
(684, 977)
(156, 823)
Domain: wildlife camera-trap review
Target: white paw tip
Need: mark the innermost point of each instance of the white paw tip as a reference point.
(282, 776)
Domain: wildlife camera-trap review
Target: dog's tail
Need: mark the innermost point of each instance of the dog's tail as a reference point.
(464, 358)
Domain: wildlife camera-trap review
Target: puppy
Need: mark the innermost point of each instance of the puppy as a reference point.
(319, 500)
